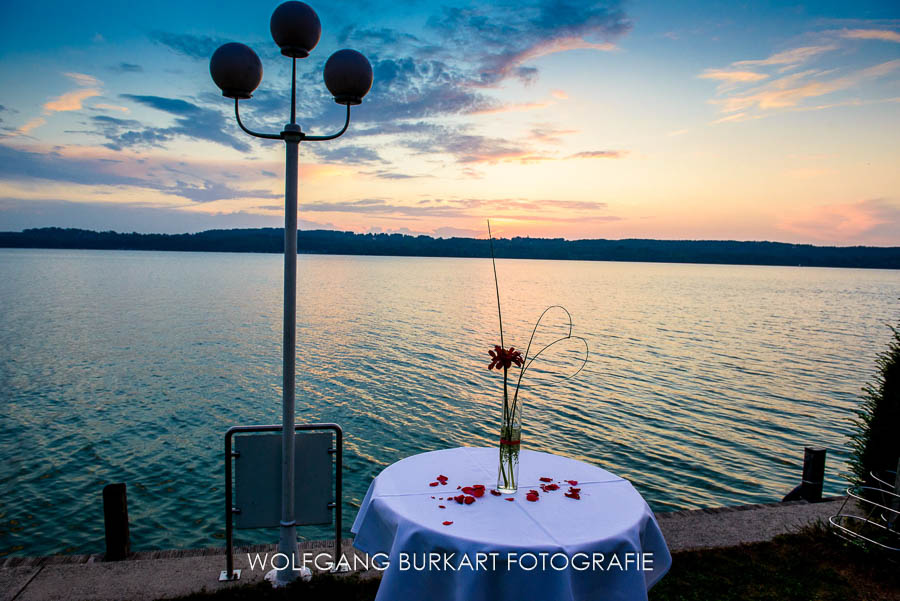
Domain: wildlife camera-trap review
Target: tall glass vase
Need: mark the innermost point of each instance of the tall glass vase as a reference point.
(510, 445)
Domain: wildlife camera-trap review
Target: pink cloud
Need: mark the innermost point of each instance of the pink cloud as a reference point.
(873, 221)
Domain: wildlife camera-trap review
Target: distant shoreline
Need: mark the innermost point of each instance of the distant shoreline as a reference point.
(270, 240)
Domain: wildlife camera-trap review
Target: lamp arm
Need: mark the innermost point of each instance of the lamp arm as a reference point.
(253, 133)
(332, 136)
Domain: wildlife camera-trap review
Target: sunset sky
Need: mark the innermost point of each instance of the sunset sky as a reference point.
(555, 118)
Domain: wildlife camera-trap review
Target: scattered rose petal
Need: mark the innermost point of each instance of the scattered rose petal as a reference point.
(447, 523)
(459, 498)
(442, 507)
(458, 487)
(546, 479)
(573, 482)
(432, 497)
(469, 500)
(468, 490)
(478, 486)
(510, 499)
(496, 493)
(478, 492)
(434, 484)
(574, 490)
(573, 495)
(531, 497)
(442, 478)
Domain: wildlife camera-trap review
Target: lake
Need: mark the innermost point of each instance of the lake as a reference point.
(703, 385)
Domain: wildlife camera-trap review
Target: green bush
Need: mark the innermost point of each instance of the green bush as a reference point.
(876, 442)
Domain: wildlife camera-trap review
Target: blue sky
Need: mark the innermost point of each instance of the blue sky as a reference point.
(574, 119)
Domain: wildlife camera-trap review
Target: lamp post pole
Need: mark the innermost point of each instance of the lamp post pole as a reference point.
(237, 70)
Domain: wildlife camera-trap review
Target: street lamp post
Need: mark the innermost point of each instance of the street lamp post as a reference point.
(237, 70)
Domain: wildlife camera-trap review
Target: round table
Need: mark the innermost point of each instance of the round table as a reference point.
(604, 545)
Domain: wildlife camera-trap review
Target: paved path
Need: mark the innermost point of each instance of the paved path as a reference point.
(164, 574)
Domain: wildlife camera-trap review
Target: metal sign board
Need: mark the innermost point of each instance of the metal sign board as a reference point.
(257, 479)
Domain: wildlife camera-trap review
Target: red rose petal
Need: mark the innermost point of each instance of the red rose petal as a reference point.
(469, 500)
(468, 490)
(434, 484)
(510, 499)
(432, 497)
(574, 490)
(478, 492)
(573, 495)
(478, 486)
(458, 487)
(442, 477)
(459, 498)
(496, 493)
(573, 482)
(442, 507)
(546, 479)
(447, 523)
(531, 498)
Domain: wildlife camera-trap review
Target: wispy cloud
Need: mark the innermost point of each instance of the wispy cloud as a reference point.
(127, 68)
(70, 101)
(774, 84)
(191, 121)
(789, 59)
(598, 154)
(732, 76)
(885, 35)
(870, 221)
(31, 124)
(512, 208)
(200, 47)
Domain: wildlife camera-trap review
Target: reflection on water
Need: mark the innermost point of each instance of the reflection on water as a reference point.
(704, 384)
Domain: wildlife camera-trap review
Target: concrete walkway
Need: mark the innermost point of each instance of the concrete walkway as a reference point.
(164, 574)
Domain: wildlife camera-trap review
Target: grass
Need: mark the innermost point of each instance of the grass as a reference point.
(812, 565)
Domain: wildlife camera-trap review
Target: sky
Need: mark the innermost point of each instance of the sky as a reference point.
(553, 118)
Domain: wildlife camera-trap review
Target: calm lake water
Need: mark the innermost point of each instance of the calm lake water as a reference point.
(703, 386)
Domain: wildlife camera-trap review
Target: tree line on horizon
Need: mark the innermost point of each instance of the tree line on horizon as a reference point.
(271, 240)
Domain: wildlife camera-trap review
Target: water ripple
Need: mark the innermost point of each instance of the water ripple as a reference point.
(705, 382)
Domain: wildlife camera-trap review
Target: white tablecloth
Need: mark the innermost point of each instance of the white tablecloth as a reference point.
(399, 518)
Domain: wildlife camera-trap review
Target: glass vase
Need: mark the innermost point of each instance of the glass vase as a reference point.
(510, 445)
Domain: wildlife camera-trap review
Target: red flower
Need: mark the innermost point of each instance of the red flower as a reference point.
(447, 523)
(501, 357)
(547, 480)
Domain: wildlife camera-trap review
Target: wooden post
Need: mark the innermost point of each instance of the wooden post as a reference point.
(115, 521)
(813, 474)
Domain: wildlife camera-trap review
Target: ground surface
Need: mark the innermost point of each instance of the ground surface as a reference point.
(706, 543)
